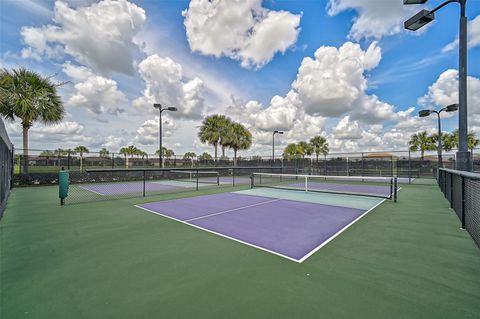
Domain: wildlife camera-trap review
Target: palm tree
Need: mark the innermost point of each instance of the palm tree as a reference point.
(211, 130)
(131, 150)
(239, 138)
(81, 150)
(205, 157)
(472, 141)
(30, 97)
(168, 153)
(226, 135)
(189, 156)
(104, 153)
(291, 151)
(320, 146)
(421, 142)
(305, 148)
(125, 152)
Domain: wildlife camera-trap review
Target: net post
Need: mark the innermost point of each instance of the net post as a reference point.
(196, 178)
(218, 178)
(233, 177)
(144, 178)
(391, 188)
(463, 202)
(409, 168)
(395, 195)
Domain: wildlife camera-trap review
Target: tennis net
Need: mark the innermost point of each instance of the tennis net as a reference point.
(383, 187)
(194, 176)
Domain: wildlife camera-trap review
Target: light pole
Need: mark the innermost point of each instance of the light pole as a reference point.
(463, 158)
(273, 143)
(161, 109)
(424, 113)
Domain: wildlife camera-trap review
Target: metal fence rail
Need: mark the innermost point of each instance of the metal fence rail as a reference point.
(462, 189)
(6, 167)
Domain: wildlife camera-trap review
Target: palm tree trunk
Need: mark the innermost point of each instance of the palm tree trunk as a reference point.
(81, 161)
(234, 157)
(216, 146)
(223, 151)
(422, 154)
(25, 129)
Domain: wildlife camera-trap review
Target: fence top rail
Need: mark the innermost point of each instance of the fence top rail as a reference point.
(469, 175)
(179, 169)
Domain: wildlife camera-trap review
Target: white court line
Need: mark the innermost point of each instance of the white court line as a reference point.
(338, 233)
(220, 234)
(84, 187)
(233, 209)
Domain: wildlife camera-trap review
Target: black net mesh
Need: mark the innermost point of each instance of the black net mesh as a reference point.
(96, 185)
(6, 167)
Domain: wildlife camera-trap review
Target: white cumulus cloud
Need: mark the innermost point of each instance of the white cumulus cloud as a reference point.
(239, 29)
(375, 18)
(97, 94)
(100, 35)
(166, 85)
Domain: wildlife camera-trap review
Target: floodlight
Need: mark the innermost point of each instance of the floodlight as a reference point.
(451, 108)
(172, 108)
(419, 20)
(424, 113)
(157, 105)
(414, 1)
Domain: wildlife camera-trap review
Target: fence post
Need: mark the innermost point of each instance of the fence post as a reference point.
(12, 169)
(113, 160)
(144, 178)
(68, 160)
(463, 202)
(197, 177)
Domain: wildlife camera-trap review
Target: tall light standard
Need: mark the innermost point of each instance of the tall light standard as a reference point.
(161, 109)
(424, 113)
(273, 143)
(463, 158)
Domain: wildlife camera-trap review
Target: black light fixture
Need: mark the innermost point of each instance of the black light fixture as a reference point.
(414, 1)
(424, 113)
(419, 20)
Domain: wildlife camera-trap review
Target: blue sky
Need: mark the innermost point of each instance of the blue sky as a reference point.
(256, 61)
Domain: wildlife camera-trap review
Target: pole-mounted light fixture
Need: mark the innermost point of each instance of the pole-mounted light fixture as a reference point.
(425, 113)
(161, 109)
(463, 156)
(414, 1)
(273, 143)
(419, 20)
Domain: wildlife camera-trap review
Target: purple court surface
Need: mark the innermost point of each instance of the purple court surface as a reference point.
(348, 188)
(291, 229)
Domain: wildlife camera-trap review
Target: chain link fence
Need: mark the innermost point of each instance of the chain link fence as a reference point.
(43, 165)
(6, 167)
(462, 190)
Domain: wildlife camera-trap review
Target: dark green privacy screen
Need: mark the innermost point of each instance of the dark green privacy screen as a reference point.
(6, 167)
